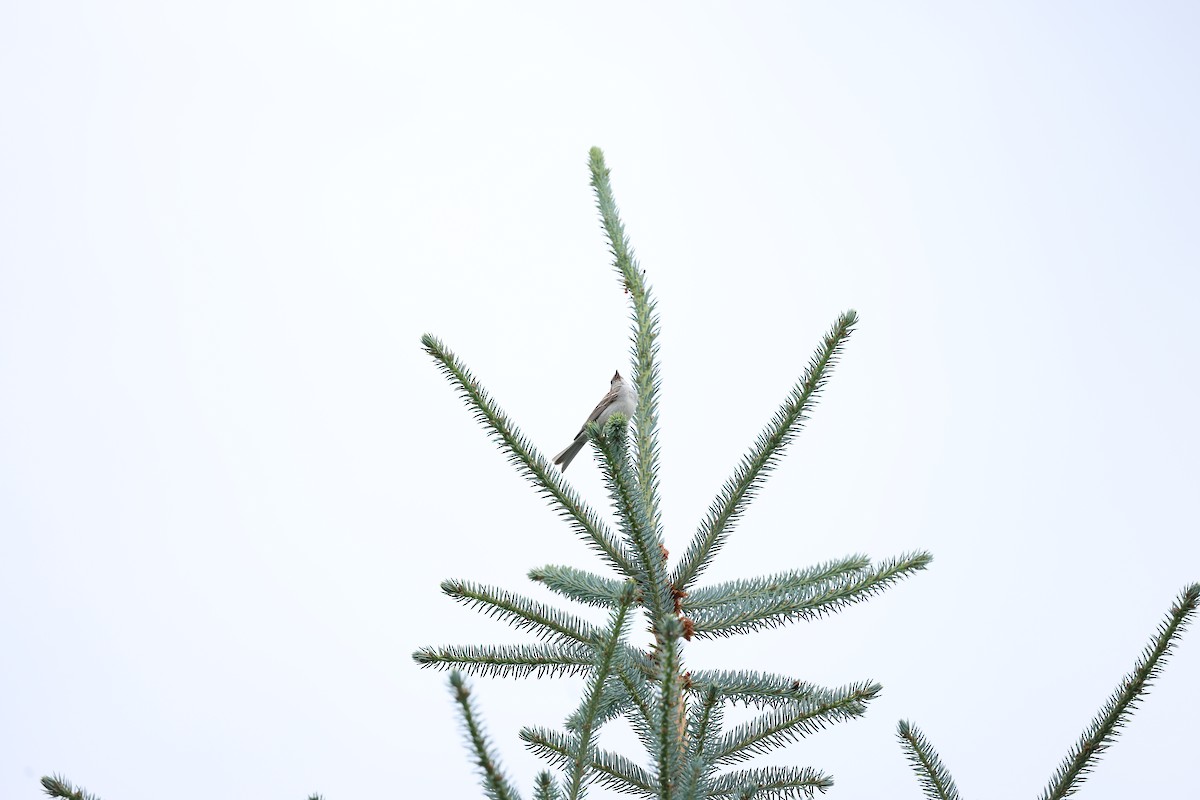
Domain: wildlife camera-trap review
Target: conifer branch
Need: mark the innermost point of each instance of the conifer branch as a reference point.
(525, 614)
(934, 777)
(589, 709)
(740, 489)
(495, 785)
(614, 701)
(637, 687)
(1108, 723)
(509, 661)
(762, 690)
(704, 723)
(827, 598)
(546, 788)
(788, 723)
(644, 538)
(628, 688)
(645, 729)
(691, 781)
(639, 661)
(584, 587)
(668, 732)
(645, 337)
(613, 771)
(766, 588)
(58, 786)
(772, 782)
(525, 457)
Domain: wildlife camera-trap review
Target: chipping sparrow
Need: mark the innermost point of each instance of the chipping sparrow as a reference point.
(621, 399)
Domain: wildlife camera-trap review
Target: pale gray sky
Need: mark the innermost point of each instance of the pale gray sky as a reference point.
(230, 482)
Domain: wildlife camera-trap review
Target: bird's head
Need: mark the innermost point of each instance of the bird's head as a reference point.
(616, 378)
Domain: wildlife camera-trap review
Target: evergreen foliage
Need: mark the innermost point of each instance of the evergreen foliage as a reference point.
(935, 779)
(495, 785)
(677, 715)
(58, 786)
(1112, 717)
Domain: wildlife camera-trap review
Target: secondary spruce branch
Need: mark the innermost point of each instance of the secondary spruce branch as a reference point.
(689, 752)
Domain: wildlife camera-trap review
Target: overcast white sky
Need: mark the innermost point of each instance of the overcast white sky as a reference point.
(230, 482)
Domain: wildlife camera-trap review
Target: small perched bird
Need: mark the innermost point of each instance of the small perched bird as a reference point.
(621, 399)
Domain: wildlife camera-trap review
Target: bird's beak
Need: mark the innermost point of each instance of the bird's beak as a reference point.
(616, 376)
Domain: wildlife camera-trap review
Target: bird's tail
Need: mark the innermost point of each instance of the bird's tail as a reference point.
(565, 458)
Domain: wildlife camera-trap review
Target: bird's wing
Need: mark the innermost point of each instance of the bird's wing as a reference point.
(604, 403)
